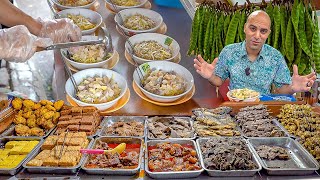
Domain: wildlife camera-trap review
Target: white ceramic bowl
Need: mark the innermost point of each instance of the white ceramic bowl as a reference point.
(160, 38)
(79, 76)
(93, 17)
(165, 66)
(82, 66)
(119, 8)
(234, 99)
(62, 7)
(156, 17)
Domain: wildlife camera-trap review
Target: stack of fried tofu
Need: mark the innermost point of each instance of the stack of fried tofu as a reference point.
(54, 154)
(79, 119)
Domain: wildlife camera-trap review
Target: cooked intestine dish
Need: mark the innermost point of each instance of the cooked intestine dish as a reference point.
(126, 2)
(164, 83)
(97, 90)
(89, 53)
(74, 2)
(82, 22)
(151, 50)
(139, 22)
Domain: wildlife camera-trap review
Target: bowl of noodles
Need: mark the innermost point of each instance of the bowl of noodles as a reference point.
(152, 47)
(243, 95)
(125, 4)
(138, 20)
(87, 20)
(163, 81)
(89, 56)
(70, 4)
(101, 88)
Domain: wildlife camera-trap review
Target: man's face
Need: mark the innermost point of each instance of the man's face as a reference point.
(257, 30)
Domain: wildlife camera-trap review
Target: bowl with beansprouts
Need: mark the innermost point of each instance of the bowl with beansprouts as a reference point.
(125, 4)
(163, 81)
(152, 47)
(70, 4)
(97, 87)
(88, 56)
(138, 20)
(87, 20)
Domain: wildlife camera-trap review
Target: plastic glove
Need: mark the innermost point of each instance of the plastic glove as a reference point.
(60, 30)
(17, 44)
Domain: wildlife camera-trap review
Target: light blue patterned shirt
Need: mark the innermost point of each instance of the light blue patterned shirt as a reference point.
(269, 67)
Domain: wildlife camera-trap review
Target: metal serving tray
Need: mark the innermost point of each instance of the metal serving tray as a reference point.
(7, 131)
(188, 119)
(11, 132)
(300, 162)
(13, 171)
(229, 173)
(172, 174)
(275, 122)
(115, 171)
(110, 120)
(51, 170)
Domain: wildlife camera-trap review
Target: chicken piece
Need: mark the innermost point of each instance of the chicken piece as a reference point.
(58, 104)
(28, 103)
(48, 125)
(48, 115)
(27, 114)
(36, 106)
(20, 120)
(32, 122)
(22, 130)
(17, 103)
(55, 117)
(36, 131)
(43, 110)
(41, 121)
(50, 108)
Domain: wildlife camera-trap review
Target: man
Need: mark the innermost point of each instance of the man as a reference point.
(20, 42)
(253, 64)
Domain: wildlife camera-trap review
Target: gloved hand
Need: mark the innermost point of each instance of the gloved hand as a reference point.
(17, 44)
(60, 30)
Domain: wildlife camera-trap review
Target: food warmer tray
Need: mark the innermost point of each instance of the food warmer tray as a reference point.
(109, 120)
(301, 161)
(11, 132)
(115, 171)
(172, 174)
(190, 121)
(51, 170)
(13, 171)
(230, 173)
(275, 122)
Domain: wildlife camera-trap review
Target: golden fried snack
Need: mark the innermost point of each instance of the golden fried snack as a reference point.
(26, 109)
(55, 117)
(36, 106)
(22, 130)
(27, 114)
(50, 108)
(48, 115)
(28, 103)
(32, 122)
(35, 162)
(45, 102)
(20, 120)
(17, 103)
(48, 124)
(58, 104)
(35, 131)
(43, 110)
(41, 121)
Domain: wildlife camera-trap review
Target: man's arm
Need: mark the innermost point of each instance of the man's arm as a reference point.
(285, 89)
(12, 16)
(215, 80)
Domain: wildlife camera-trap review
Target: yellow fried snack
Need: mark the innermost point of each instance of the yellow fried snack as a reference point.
(55, 117)
(32, 122)
(27, 114)
(36, 106)
(58, 104)
(48, 124)
(50, 107)
(48, 115)
(35, 131)
(20, 120)
(35, 162)
(43, 110)
(28, 103)
(41, 121)
(45, 102)
(17, 103)
(22, 130)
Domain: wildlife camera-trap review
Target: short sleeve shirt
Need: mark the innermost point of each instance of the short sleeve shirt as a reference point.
(269, 67)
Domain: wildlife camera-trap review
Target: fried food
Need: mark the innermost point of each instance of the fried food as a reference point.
(3, 104)
(50, 107)
(32, 122)
(20, 120)
(48, 115)
(22, 130)
(58, 104)
(17, 103)
(45, 102)
(37, 106)
(27, 114)
(28, 103)
(56, 117)
(48, 125)
(36, 131)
